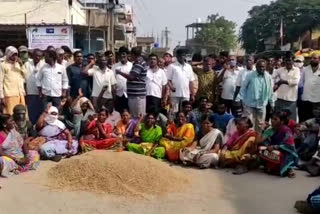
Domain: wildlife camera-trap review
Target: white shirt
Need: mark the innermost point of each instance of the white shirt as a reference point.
(121, 81)
(242, 76)
(52, 80)
(32, 72)
(181, 76)
(156, 80)
(229, 84)
(101, 79)
(287, 92)
(311, 84)
(113, 118)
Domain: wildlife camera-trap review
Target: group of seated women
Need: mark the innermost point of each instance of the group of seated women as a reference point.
(22, 145)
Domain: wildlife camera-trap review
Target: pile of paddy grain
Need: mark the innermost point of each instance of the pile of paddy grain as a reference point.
(118, 173)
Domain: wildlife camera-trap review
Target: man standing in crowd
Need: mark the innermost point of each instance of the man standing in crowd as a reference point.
(52, 81)
(110, 59)
(299, 63)
(121, 99)
(156, 86)
(12, 78)
(257, 92)
(33, 68)
(242, 76)
(207, 80)
(167, 60)
(181, 81)
(311, 94)
(229, 77)
(136, 83)
(60, 57)
(286, 86)
(103, 77)
(23, 54)
(77, 79)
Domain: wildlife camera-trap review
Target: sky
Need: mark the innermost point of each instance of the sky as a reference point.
(155, 15)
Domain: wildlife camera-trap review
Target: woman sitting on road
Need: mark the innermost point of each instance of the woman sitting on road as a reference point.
(278, 153)
(98, 134)
(150, 135)
(241, 147)
(204, 152)
(126, 127)
(59, 140)
(82, 109)
(14, 154)
(180, 135)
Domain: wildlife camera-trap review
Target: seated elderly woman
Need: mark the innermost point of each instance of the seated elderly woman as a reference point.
(14, 154)
(204, 152)
(278, 150)
(241, 148)
(149, 134)
(179, 135)
(82, 109)
(125, 128)
(59, 140)
(98, 134)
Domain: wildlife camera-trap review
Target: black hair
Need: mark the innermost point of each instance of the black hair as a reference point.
(103, 110)
(52, 54)
(153, 55)
(247, 120)
(180, 52)
(90, 54)
(50, 47)
(37, 50)
(125, 110)
(66, 49)
(180, 112)
(221, 103)
(197, 57)
(185, 103)
(107, 53)
(207, 117)
(136, 51)
(76, 53)
(4, 120)
(151, 113)
(283, 116)
(224, 53)
(123, 50)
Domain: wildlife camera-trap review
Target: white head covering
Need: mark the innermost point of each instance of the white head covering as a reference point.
(10, 50)
(53, 119)
(81, 101)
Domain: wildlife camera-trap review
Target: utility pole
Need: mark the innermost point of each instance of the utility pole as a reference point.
(110, 14)
(166, 36)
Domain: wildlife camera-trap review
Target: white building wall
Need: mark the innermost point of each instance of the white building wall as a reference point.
(41, 11)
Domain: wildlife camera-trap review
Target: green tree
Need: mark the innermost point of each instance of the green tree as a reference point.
(264, 21)
(218, 34)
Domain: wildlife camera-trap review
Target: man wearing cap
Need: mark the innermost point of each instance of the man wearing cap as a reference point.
(286, 88)
(12, 78)
(23, 54)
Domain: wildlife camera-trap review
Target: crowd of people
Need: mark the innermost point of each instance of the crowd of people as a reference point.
(214, 111)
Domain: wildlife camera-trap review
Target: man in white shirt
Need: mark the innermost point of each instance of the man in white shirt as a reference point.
(52, 81)
(103, 77)
(242, 76)
(33, 68)
(229, 78)
(121, 99)
(311, 85)
(286, 81)
(156, 86)
(181, 81)
(60, 57)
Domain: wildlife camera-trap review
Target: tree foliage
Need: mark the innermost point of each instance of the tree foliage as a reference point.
(218, 34)
(264, 21)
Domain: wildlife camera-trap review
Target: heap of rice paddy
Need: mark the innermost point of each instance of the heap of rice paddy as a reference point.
(118, 173)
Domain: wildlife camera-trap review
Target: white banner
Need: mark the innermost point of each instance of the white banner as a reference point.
(42, 37)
